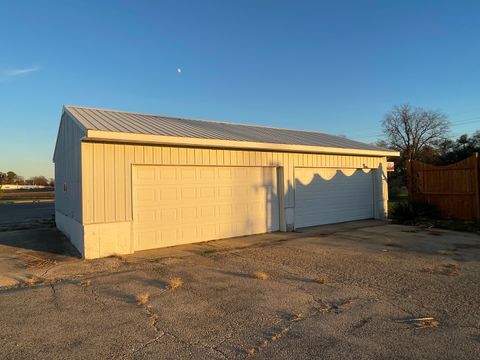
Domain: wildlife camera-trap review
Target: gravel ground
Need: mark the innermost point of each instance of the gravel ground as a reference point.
(347, 291)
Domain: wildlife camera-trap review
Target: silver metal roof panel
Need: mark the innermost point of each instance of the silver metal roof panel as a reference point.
(137, 123)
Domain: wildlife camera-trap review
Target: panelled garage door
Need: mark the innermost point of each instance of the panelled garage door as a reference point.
(326, 196)
(175, 205)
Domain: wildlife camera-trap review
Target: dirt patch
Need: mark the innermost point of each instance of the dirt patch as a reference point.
(445, 269)
(37, 261)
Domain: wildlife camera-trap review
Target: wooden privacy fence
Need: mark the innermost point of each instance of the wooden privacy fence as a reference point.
(453, 189)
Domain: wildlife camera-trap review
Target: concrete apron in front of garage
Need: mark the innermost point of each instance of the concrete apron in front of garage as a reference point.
(337, 291)
(39, 250)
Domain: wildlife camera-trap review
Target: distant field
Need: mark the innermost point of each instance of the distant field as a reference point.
(27, 195)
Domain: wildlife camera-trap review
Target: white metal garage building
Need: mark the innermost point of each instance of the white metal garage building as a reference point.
(127, 182)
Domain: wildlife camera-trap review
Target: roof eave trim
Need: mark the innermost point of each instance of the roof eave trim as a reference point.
(66, 111)
(111, 136)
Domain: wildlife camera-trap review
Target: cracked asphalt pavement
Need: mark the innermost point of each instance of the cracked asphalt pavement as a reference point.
(347, 291)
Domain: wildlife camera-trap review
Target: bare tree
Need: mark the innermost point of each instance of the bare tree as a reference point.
(38, 180)
(411, 130)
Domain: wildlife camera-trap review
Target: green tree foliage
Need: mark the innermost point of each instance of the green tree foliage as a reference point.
(452, 151)
(10, 178)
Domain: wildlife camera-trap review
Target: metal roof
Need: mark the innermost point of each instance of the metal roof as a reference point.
(137, 123)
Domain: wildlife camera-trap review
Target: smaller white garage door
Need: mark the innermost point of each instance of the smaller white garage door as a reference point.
(327, 196)
(175, 205)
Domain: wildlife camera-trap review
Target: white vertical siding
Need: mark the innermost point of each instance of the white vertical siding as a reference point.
(107, 171)
(67, 159)
(120, 181)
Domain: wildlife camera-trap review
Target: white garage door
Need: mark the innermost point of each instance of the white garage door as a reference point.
(326, 196)
(184, 204)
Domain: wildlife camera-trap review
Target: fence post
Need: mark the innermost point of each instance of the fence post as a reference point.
(410, 179)
(477, 186)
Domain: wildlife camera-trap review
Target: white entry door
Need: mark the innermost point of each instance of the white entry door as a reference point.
(175, 205)
(327, 196)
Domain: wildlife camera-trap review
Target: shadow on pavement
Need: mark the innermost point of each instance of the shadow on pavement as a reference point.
(44, 239)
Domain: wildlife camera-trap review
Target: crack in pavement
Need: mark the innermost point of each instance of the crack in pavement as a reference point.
(190, 345)
(175, 337)
(222, 354)
(96, 296)
(47, 270)
(277, 333)
(315, 308)
(153, 316)
(313, 311)
(216, 347)
(54, 296)
(144, 345)
(148, 343)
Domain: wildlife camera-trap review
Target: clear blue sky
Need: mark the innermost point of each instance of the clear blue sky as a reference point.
(335, 66)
